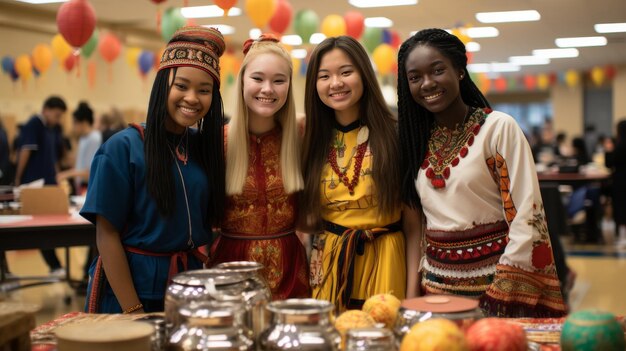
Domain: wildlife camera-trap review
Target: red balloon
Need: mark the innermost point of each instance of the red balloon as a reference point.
(530, 82)
(355, 23)
(395, 40)
(70, 62)
(281, 19)
(225, 4)
(76, 21)
(470, 57)
(610, 72)
(158, 1)
(500, 84)
(109, 47)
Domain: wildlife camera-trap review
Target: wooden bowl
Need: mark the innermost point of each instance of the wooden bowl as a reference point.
(105, 336)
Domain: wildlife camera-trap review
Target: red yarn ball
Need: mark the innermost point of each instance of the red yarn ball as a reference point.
(494, 334)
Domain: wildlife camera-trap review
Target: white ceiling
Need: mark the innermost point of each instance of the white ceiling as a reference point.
(135, 19)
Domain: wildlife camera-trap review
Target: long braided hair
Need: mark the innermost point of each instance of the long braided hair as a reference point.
(415, 122)
(207, 147)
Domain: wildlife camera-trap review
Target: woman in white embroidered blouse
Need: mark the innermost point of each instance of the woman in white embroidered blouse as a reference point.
(471, 171)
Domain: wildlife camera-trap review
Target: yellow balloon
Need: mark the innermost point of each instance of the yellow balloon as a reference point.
(572, 78)
(333, 26)
(597, 75)
(23, 67)
(42, 57)
(60, 48)
(132, 57)
(460, 33)
(384, 56)
(260, 11)
(543, 81)
(297, 64)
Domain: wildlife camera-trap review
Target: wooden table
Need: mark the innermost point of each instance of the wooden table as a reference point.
(44, 232)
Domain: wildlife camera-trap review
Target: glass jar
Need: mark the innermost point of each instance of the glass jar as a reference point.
(257, 293)
(211, 325)
(460, 310)
(302, 324)
(200, 285)
(370, 339)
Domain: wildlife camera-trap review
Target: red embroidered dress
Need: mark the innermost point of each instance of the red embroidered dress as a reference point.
(259, 224)
(486, 234)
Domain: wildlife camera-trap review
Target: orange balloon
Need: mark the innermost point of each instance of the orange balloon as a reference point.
(333, 26)
(23, 67)
(543, 81)
(597, 75)
(42, 57)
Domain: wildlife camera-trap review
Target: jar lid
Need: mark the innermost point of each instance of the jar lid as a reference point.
(211, 313)
(440, 304)
(200, 277)
(300, 306)
(240, 266)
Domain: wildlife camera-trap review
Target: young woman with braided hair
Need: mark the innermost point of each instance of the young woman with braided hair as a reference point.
(155, 192)
(471, 171)
(352, 182)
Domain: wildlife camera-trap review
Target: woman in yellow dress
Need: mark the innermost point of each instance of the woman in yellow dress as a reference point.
(351, 168)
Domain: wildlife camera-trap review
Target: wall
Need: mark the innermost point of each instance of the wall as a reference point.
(120, 86)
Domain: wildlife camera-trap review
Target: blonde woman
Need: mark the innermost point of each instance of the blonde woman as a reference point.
(263, 173)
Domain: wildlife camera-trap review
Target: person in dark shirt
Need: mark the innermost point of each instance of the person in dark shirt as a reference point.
(38, 155)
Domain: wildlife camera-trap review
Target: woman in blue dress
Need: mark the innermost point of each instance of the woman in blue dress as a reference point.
(155, 191)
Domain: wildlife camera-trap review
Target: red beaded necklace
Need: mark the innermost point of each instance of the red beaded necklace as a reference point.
(436, 158)
(358, 162)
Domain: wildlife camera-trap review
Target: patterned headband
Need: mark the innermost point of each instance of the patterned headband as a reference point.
(263, 37)
(195, 46)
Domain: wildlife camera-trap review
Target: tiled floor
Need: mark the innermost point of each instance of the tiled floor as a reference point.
(600, 282)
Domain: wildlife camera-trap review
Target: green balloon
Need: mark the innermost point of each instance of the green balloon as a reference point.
(511, 83)
(90, 45)
(171, 21)
(372, 37)
(306, 24)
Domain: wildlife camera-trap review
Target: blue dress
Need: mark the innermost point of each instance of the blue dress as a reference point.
(118, 192)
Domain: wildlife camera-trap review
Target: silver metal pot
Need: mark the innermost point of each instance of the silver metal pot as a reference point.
(201, 285)
(302, 324)
(257, 293)
(211, 326)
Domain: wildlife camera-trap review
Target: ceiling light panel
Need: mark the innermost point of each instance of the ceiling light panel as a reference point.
(378, 22)
(381, 3)
(508, 16)
(482, 32)
(610, 27)
(580, 42)
(210, 11)
(556, 53)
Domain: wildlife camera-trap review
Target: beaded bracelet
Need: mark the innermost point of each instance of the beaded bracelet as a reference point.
(133, 309)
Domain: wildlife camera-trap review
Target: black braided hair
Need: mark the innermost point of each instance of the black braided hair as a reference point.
(414, 121)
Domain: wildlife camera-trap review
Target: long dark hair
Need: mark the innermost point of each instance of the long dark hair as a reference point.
(415, 122)
(320, 121)
(207, 147)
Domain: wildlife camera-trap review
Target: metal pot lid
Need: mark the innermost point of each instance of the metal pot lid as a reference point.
(200, 277)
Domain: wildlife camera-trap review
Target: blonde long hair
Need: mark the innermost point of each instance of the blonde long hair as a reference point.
(237, 148)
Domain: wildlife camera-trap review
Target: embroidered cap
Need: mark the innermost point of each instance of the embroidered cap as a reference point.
(195, 46)
(263, 37)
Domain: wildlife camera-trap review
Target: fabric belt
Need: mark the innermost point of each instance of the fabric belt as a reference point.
(256, 237)
(353, 243)
(175, 257)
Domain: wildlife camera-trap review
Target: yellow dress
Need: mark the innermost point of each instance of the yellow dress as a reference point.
(379, 266)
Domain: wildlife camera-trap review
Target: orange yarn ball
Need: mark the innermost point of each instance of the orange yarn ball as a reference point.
(494, 334)
(383, 308)
(434, 335)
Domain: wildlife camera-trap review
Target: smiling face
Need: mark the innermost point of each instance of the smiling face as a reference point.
(189, 99)
(265, 85)
(339, 85)
(433, 80)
